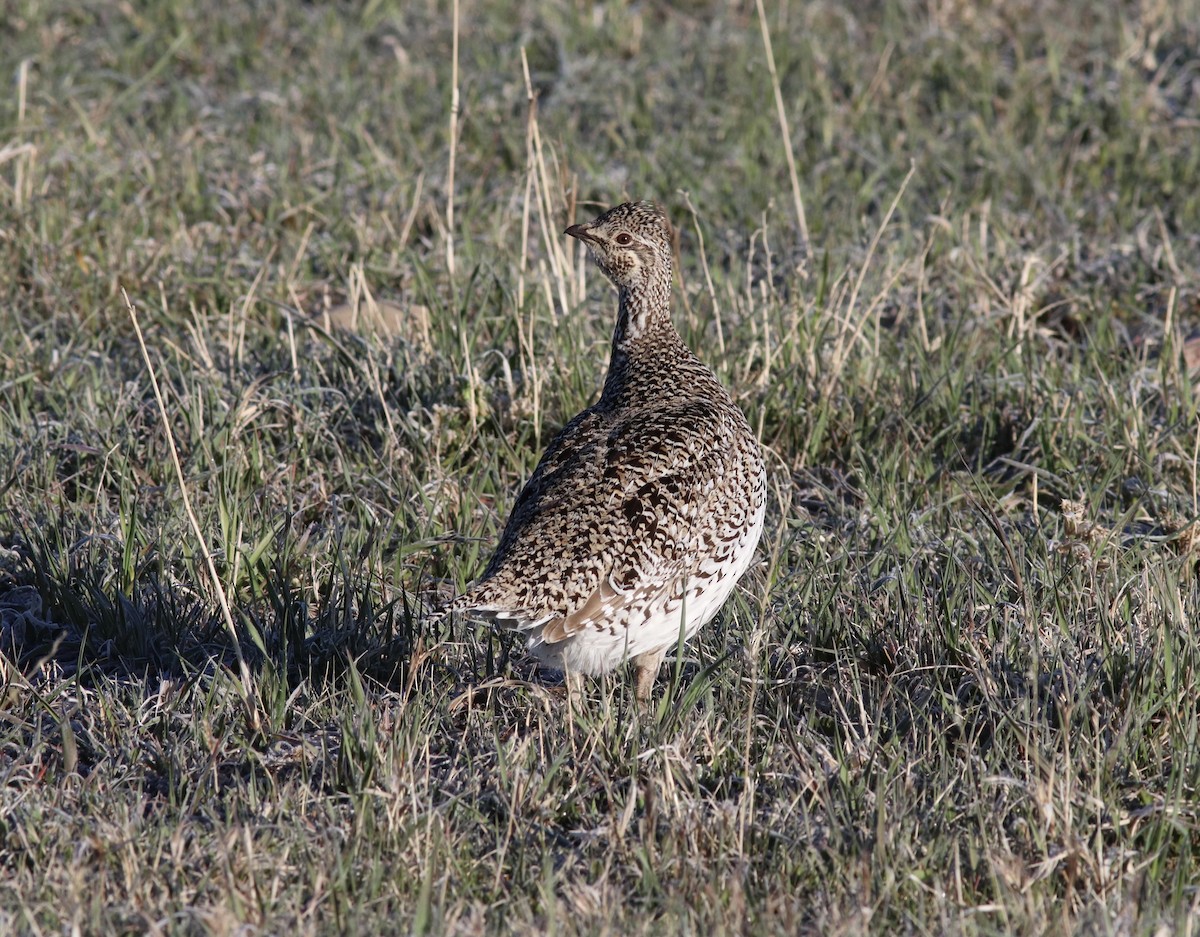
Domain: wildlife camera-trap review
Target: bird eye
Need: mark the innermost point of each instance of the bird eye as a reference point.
(623, 239)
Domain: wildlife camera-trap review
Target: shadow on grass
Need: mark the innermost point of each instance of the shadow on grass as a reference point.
(63, 606)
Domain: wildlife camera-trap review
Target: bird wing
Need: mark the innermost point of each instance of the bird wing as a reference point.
(611, 517)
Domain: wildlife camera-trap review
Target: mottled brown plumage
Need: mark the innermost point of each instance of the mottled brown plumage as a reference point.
(646, 509)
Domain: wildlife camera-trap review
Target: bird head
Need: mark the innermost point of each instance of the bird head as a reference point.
(631, 243)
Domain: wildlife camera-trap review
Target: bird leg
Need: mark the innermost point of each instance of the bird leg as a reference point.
(646, 666)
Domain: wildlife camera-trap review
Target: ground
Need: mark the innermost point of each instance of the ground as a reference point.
(956, 694)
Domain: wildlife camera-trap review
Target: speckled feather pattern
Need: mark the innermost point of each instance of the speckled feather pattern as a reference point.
(646, 509)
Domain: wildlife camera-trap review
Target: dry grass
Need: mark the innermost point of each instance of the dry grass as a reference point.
(957, 693)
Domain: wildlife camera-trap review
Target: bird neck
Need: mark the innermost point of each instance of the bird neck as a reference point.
(644, 338)
(643, 310)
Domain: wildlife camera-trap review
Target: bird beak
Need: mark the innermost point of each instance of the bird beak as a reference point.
(580, 231)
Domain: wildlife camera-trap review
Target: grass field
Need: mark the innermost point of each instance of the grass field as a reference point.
(958, 691)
